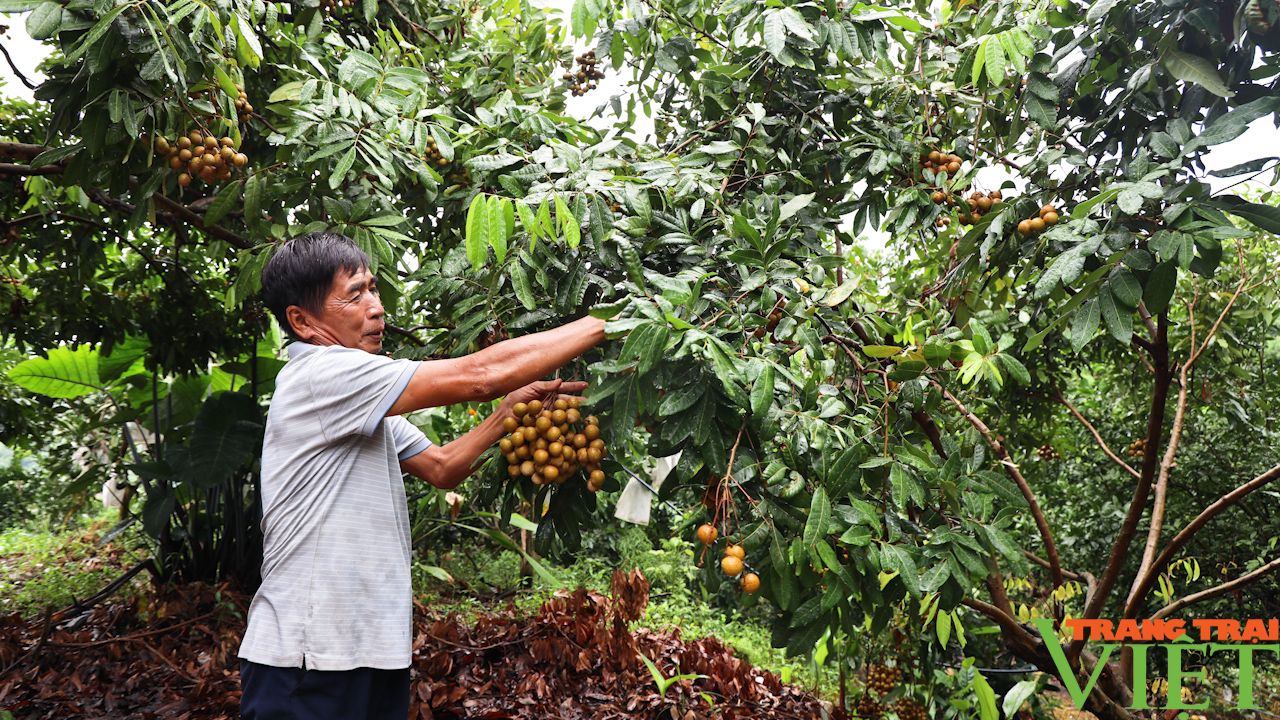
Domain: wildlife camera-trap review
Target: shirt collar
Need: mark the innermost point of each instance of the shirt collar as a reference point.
(297, 349)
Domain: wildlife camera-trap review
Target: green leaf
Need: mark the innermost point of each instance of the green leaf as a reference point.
(762, 392)
(996, 64)
(248, 49)
(1017, 696)
(492, 162)
(55, 155)
(95, 33)
(1193, 68)
(842, 292)
(520, 283)
(226, 199)
(1083, 209)
(1119, 320)
(225, 81)
(44, 20)
(477, 231)
(572, 233)
(1087, 318)
(986, 698)
(794, 205)
(646, 344)
(1232, 124)
(1160, 286)
(226, 436)
(496, 219)
(1266, 217)
(62, 373)
(340, 170)
(1125, 287)
(897, 560)
(819, 522)
(881, 351)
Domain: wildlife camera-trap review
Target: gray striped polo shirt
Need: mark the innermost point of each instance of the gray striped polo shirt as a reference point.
(335, 591)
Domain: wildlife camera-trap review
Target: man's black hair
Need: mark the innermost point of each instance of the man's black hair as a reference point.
(302, 270)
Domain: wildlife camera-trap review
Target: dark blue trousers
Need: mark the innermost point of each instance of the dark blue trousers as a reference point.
(276, 693)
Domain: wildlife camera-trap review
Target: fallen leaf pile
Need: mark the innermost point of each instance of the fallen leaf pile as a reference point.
(172, 655)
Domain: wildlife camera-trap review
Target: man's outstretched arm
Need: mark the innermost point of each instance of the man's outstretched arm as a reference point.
(446, 466)
(498, 369)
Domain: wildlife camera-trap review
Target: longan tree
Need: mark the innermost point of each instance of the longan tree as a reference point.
(843, 429)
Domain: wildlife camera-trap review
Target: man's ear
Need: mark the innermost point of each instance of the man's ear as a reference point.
(300, 321)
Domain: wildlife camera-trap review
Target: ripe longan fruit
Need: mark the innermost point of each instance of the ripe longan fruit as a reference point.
(1037, 225)
(211, 142)
(540, 457)
(524, 453)
(1024, 227)
(559, 416)
(938, 196)
(240, 160)
(526, 468)
(553, 433)
(175, 162)
(560, 404)
(227, 142)
(509, 424)
(1050, 218)
(196, 138)
(750, 582)
(520, 409)
(184, 179)
(597, 476)
(1047, 209)
(736, 551)
(731, 565)
(985, 204)
(542, 424)
(535, 407)
(513, 470)
(953, 167)
(550, 472)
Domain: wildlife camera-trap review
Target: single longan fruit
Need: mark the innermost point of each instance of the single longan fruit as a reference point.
(749, 583)
(953, 167)
(529, 420)
(535, 407)
(559, 416)
(579, 440)
(597, 476)
(227, 153)
(509, 424)
(239, 159)
(209, 158)
(542, 424)
(184, 142)
(553, 434)
(736, 551)
(211, 142)
(1037, 224)
(184, 179)
(1047, 209)
(934, 156)
(512, 458)
(1050, 218)
(517, 438)
(560, 404)
(985, 203)
(556, 448)
(591, 432)
(524, 452)
(597, 443)
(550, 472)
(196, 138)
(593, 420)
(731, 565)
(520, 409)
(1024, 227)
(540, 444)
(540, 457)
(513, 470)
(227, 142)
(707, 532)
(594, 455)
(574, 402)
(505, 445)
(938, 196)
(583, 455)
(568, 453)
(573, 416)
(175, 162)
(526, 468)
(530, 434)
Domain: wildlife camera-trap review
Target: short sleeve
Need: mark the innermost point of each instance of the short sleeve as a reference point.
(352, 390)
(409, 440)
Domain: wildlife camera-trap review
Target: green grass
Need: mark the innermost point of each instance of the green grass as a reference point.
(42, 568)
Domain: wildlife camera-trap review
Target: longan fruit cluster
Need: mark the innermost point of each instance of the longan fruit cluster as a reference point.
(1047, 218)
(734, 562)
(549, 443)
(941, 162)
(882, 679)
(868, 707)
(1048, 452)
(244, 108)
(909, 709)
(433, 156)
(199, 156)
(333, 6)
(979, 205)
(1137, 448)
(586, 76)
(775, 316)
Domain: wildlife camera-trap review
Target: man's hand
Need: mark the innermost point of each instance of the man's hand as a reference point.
(544, 390)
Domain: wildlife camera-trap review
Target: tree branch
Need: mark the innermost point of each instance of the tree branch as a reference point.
(17, 73)
(27, 170)
(1011, 468)
(1213, 592)
(1097, 437)
(1137, 506)
(1181, 539)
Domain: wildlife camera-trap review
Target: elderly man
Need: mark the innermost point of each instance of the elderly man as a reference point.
(329, 633)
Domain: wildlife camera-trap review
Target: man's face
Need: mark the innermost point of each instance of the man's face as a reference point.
(351, 316)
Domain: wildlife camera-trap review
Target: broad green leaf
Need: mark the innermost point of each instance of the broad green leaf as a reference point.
(225, 82)
(646, 344)
(794, 205)
(881, 351)
(1087, 318)
(477, 231)
(44, 20)
(1119, 320)
(1195, 69)
(341, 169)
(762, 392)
(62, 373)
(520, 284)
(223, 203)
(1266, 217)
(1017, 696)
(819, 522)
(1160, 286)
(1125, 287)
(986, 698)
(495, 218)
(226, 435)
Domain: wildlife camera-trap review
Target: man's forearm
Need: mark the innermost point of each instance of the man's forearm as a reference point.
(458, 458)
(520, 361)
